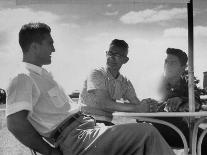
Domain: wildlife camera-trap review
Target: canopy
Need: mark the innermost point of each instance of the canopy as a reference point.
(22, 2)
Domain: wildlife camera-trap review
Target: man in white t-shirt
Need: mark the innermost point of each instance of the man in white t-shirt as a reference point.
(105, 87)
(38, 107)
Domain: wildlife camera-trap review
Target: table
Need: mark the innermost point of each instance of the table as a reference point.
(200, 117)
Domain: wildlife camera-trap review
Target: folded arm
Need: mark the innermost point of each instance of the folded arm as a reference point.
(105, 102)
(21, 128)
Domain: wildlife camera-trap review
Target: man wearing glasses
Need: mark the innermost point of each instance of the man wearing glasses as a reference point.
(105, 87)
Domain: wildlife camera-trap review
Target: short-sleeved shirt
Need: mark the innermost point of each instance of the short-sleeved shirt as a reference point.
(119, 88)
(35, 90)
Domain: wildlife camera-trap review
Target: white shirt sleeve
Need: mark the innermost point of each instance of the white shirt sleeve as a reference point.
(96, 80)
(19, 94)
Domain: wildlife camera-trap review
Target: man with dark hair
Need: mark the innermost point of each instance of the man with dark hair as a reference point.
(105, 87)
(182, 56)
(30, 33)
(174, 86)
(37, 107)
(174, 92)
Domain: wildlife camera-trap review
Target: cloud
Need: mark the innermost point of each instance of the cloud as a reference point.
(12, 20)
(175, 32)
(20, 16)
(199, 31)
(70, 25)
(109, 5)
(4, 38)
(153, 15)
(112, 13)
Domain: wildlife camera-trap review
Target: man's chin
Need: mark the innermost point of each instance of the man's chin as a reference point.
(112, 66)
(171, 76)
(47, 63)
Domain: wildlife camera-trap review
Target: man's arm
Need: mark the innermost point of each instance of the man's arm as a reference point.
(130, 93)
(21, 128)
(103, 99)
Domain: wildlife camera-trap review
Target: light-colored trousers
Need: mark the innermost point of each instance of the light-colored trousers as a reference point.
(83, 137)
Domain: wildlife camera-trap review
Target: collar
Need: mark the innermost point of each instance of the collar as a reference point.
(119, 78)
(35, 68)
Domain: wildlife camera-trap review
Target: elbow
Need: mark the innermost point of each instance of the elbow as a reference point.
(16, 122)
(14, 126)
(107, 106)
(11, 125)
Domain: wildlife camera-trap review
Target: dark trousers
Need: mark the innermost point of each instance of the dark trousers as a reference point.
(172, 137)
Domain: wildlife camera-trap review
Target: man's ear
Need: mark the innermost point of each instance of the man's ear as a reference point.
(126, 59)
(183, 68)
(34, 47)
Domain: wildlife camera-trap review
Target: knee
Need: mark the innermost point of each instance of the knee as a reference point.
(150, 129)
(144, 129)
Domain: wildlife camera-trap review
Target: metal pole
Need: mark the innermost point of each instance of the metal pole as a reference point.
(190, 72)
(190, 57)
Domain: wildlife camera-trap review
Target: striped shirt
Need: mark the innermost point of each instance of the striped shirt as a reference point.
(119, 89)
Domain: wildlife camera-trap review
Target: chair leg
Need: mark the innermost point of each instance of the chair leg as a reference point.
(33, 152)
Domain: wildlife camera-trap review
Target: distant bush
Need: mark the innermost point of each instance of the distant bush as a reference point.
(2, 96)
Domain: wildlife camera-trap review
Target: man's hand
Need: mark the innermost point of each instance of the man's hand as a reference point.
(185, 107)
(172, 104)
(149, 105)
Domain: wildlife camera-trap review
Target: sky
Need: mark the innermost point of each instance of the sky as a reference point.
(83, 30)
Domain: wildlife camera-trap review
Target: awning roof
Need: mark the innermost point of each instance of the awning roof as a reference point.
(22, 2)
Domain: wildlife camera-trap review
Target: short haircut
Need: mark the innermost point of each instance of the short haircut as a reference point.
(119, 43)
(32, 32)
(182, 56)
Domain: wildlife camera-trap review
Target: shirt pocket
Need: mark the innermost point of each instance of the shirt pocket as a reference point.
(56, 97)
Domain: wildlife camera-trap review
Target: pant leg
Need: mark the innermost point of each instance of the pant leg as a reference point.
(130, 139)
(169, 134)
(172, 137)
(125, 139)
(79, 136)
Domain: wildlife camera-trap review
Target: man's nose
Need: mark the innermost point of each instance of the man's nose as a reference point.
(53, 49)
(113, 57)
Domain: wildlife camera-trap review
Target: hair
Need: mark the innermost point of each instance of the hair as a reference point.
(32, 32)
(182, 56)
(119, 43)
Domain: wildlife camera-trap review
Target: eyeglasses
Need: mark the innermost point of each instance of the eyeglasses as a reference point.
(171, 63)
(112, 54)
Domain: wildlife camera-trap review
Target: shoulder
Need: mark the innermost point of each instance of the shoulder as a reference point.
(20, 80)
(125, 79)
(98, 72)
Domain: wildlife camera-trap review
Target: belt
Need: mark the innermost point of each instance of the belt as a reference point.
(62, 127)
